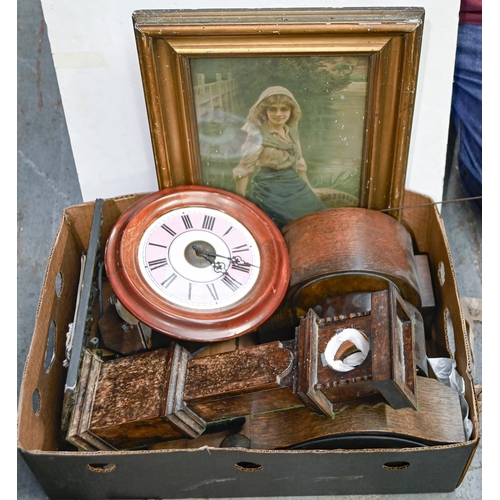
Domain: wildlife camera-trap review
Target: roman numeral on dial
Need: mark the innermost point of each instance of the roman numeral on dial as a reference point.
(229, 281)
(208, 222)
(187, 222)
(213, 291)
(169, 231)
(241, 248)
(169, 280)
(244, 268)
(157, 263)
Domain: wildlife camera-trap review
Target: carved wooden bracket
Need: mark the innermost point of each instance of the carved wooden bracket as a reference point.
(383, 369)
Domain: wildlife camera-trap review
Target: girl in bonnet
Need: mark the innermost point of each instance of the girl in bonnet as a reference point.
(272, 155)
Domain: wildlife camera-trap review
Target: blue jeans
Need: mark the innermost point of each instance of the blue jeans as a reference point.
(467, 108)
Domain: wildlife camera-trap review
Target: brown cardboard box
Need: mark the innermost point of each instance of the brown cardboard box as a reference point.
(216, 472)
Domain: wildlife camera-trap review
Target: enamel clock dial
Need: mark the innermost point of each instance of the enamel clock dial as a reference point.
(197, 263)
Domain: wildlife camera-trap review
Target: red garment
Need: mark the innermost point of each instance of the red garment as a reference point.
(471, 12)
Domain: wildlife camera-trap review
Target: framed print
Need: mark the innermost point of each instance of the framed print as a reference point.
(312, 106)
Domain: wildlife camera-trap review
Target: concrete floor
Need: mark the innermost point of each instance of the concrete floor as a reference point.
(47, 183)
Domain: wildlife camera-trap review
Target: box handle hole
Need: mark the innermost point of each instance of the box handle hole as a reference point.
(248, 466)
(50, 352)
(101, 468)
(396, 465)
(59, 284)
(36, 401)
(441, 273)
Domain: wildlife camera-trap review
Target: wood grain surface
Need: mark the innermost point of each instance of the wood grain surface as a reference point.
(355, 250)
(130, 401)
(438, 421)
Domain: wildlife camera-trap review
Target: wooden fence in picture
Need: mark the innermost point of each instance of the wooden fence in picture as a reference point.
(215, 96)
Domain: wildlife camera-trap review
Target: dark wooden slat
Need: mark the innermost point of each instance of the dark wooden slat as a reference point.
(438, 420)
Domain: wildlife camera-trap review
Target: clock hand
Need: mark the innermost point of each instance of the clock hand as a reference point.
(239, 261)
(201, 253)
(219, 267)
(233, 260)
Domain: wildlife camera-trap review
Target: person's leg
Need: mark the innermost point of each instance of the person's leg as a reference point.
(467, 108)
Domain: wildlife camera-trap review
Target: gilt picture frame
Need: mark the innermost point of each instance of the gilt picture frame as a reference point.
(351, 74)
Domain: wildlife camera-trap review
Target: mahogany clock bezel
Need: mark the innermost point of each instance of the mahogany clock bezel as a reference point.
(137, 296)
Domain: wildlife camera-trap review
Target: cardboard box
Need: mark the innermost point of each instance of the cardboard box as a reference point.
(218, 472)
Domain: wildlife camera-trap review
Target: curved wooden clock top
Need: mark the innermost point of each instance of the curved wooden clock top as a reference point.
(355, 250)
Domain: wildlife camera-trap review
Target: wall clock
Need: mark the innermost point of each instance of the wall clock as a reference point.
(197, 263)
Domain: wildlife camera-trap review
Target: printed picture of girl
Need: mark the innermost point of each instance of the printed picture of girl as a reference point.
(272, 172)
